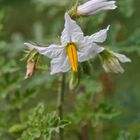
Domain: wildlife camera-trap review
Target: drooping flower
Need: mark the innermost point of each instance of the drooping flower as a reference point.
(111, 61)
(95, 6)
(74, 48)
(30, 69)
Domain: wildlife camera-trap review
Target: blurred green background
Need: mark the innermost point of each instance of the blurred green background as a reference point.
(41, 22)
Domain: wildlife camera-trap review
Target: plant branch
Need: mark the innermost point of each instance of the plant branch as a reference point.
(60, 101)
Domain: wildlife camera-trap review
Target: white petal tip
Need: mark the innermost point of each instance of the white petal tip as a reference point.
(101, 49)
(121, 57)
(66, 16)
(108, 27)
(125, 59)
(114, 7)
(26, 44)
(128, 60)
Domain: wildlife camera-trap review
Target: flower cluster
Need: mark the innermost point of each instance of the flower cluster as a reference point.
(75, 47)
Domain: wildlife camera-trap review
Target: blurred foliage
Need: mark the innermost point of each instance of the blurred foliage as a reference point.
(104, 107)
(42, 124)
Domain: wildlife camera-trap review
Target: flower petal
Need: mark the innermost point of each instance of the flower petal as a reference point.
(72, 32)
(99, 36)
(110, 5)
(66, 65)
(88, 52)
(106, 67)
(122, 58)
(52, 51)
(60, 64)
(113, 65)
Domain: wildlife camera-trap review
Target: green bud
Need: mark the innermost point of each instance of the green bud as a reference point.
(75, 80)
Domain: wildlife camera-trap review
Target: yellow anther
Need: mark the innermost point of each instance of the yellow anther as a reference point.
(73, 57)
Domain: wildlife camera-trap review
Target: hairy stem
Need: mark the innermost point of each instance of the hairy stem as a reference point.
(60, 101)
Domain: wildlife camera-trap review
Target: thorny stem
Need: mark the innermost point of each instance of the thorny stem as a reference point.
(60, 101)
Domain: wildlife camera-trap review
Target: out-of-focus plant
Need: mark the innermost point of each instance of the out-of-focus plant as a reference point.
(89, 102)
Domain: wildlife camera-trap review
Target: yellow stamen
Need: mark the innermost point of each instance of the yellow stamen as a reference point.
(73, 57)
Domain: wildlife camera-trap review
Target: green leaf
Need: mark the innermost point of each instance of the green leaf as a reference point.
(18, 128)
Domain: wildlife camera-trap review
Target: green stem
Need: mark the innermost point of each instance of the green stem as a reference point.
(60, 101)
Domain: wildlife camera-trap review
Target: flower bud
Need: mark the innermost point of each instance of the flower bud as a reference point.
(95, 6)
(111, 61)
(30, 69)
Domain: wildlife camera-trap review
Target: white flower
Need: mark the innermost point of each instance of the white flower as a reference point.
(111, 61)
(74, 48)
(95, 6)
